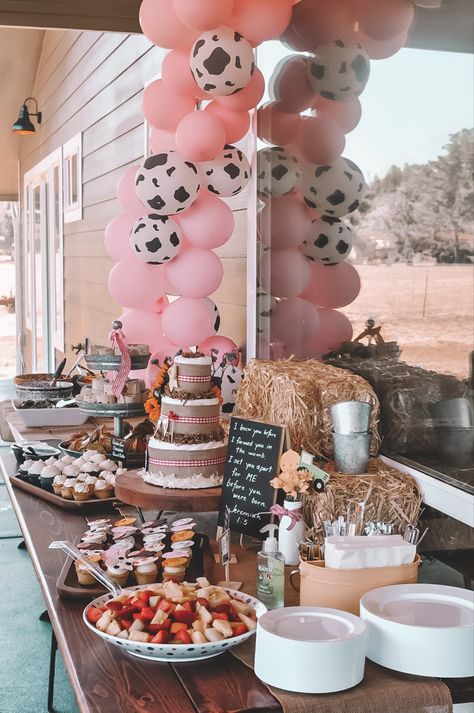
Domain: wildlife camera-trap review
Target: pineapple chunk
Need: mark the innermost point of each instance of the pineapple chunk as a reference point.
(123, 634)
(159, 618)
(137, 625)
(213, 635)
(240, 607)
(141, 636)
(154, 601)
(198, 637)
(205, 615)
(199, 626)
(113, 628)
(104, 621)
(223, 627)
(249, 623)
(218, 598)
(202, 582)
(179, 607)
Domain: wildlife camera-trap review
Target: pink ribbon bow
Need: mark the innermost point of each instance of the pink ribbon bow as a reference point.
(117, 338)
(294, 515)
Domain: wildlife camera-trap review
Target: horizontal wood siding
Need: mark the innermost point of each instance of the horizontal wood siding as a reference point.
(91, 82)
(111, 15)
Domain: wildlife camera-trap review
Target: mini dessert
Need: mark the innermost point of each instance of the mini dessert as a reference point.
(182, 536)
(119, 570)
(145, 569)
(109, 465)
(173, 573)
(34, 472)
(26, 465)
(90, 479)
(58, 483)
(103, 490)
(47, 476)
(84, 577)
(70, 471)
(88, 455)
(66, 460)
(97, 458)
(90, 468)
(81, 492)
(68, 488)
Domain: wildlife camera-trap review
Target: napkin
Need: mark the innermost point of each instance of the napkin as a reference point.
(375, 551)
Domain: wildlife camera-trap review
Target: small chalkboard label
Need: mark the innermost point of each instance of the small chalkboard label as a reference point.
(118, 449)
(253, 453)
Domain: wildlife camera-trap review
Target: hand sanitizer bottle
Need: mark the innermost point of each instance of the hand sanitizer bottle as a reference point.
(271, 571)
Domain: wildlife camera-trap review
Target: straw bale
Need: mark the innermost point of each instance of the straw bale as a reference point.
(299, 394)
(388, 495)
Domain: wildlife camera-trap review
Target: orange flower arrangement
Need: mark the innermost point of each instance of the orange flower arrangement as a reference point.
(217, 393)
(153, 403)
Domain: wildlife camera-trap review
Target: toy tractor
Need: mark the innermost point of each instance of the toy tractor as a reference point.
(320, 477)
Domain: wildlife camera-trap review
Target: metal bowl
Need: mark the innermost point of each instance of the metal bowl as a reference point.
(106, 362)
(37, 387)
(134, 460)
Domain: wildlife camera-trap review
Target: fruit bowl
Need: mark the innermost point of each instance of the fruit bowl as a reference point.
(175, 652)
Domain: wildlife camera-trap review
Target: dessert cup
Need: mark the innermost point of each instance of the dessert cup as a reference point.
(146, 573)
(58, 482)
(103, 490)
(173, 574)
(84, 577)
(68, 488)
(81, 492)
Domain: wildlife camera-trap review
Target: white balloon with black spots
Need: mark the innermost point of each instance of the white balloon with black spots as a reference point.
(231, 380)
(215, 312)
(228, 174)
(339, 70)
(155, 239)
(166, 183)
(336, 189)
(222, 61)
(265, 306)
(278, 172)
(330, 241)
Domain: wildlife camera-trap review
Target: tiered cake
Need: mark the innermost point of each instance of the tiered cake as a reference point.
(189, 446)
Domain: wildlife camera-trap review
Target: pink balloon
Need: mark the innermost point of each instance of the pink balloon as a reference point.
(332, 285)
(161, 140)
(126, 195)
(200, 136)
(377, 49)
(235, 123)
(284, 273)
(209, 223)
(383, 21)
(346, 114)
(165, 109)
(260, 20)
(284, 222)
(188, 321)
(293, 39)
(141, 327)
(133, 284)
(194, 272)
(321, 22)
(117, 234)
(321, 140)
(289, 85)
(204, 14)
(248, 97)
(277, 351)
(276, 126)
(161, 25)
(166, 349)
(176, 75)
(334, 329)
(294, 321)
(220, 346)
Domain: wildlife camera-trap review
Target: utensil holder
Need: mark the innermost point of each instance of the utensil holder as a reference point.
(351, 417)
(351, 452)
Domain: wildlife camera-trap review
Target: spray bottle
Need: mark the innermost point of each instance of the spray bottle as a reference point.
(271, 571)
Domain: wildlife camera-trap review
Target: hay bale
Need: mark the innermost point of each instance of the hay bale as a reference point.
(388, 496)
(299, 394)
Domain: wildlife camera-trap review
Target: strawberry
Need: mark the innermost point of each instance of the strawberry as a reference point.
(183, 637)
(223, 609)
(166, 606)
(162, 637)
(93, 614)
(114, 606)
(188, 606)
(203, 602)
(125, 623)
(146, 614)
(155, 628)
(128, 611)
(178, 626)
(218, 615)
(239, 630)
(187, 617)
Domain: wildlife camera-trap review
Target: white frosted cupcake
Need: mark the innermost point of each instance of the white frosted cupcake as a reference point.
(34, 471)
(90, 468)
(81, 491)
(108, 465)
(108, 477)
(66, 460)
(78, 462)
(90, 480)
(51, 461)
(68, 488)
(26, 465)
(97, 458)
(146, 570)
(71, 471)
(89, 454)
(58, 482)
(119, 571)
(103, 490)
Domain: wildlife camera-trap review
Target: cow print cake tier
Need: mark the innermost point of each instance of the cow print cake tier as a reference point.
(189, 447)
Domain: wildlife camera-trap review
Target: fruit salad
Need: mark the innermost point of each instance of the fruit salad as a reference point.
(172, 613)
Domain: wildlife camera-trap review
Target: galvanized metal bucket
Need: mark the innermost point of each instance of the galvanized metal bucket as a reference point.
(453, 413)
(351, 452)
(351, 417)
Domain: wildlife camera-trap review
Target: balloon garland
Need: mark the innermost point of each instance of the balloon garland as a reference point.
(173, 213)
(305, 183)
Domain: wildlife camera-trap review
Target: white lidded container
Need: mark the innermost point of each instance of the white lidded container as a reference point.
(310, 649)
(421, 629)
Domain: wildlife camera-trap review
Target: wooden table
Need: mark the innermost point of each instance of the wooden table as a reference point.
(105, 680)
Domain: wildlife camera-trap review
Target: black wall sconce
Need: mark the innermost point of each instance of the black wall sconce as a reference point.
(24, 125)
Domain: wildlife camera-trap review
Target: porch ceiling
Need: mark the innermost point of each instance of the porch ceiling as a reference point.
(20, 50)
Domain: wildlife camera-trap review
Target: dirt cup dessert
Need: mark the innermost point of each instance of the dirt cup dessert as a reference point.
(25, 466)
(34, 472)
(47, 476)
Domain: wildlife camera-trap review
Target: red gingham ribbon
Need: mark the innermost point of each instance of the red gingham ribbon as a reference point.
(186, 463)
(117, 338)
(190, 379)
(192, 419)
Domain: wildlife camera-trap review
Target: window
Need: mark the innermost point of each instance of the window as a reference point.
(72, 177)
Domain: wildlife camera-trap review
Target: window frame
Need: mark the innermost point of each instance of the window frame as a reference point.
(72, 209)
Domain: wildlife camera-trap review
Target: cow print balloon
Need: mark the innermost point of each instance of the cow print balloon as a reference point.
(336, 189)
(167, 183)
(222, 62)
(155, 239)
(278, 172)
(339, 70)
(228, 174)
(330, 242)
(215, 312)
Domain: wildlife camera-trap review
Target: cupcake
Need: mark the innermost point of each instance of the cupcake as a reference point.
(51, 461)
(108, 465)
(66, 460)
(81, 492)
(119, 570)
(68, 488)
(97, 458)
(90, 468)
(89, 454)
(84, 577)
(90, 479)
(26, 465)
(103, 490)
(94, 538)
(79, 462)
(109, 478)
(47, 476)
(71, 471)
(172, 573)
(34, 472)
(58, 482)
(120, 471)
(102, 525)
(146, 570)
(182, 535)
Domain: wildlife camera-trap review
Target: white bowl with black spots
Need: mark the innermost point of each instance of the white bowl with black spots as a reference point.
(330, 241)
(174, 652)
(339, 70)
(222, 61)
(228, 174)
(336, 189)
(155, 239)
(278, 172)
(166, 183)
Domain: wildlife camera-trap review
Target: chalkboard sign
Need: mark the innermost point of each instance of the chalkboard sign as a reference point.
(252, 459)
(118, 449)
